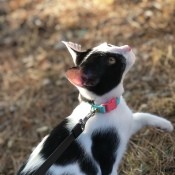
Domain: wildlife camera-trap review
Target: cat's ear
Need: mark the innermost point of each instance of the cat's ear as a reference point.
(74, 49)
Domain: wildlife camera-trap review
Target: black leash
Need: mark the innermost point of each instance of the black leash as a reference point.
(75, 132)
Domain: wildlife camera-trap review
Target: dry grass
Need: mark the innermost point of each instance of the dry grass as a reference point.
(35, 96)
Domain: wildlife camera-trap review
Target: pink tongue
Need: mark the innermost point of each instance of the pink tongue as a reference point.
(74, 76)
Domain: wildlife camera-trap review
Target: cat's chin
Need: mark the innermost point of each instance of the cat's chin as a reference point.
(90, 83)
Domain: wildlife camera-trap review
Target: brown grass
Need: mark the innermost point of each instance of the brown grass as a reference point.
(35, 96)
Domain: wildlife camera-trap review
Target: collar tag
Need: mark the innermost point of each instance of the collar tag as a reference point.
(108, 106)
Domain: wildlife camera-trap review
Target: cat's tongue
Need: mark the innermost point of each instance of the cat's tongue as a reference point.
(74, 75)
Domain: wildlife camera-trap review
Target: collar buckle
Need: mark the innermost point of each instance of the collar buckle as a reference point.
(107, 107)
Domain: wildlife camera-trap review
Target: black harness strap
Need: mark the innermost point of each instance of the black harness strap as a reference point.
(75, 132)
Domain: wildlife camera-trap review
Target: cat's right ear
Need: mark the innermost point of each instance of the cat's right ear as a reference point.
(74, 49)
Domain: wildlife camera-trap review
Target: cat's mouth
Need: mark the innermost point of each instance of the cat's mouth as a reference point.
(80, 78)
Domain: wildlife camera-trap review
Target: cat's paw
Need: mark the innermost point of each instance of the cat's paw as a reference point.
(166, 126)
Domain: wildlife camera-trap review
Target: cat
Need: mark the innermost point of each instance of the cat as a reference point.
(98, 74)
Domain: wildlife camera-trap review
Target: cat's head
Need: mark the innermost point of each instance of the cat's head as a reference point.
(99, 71)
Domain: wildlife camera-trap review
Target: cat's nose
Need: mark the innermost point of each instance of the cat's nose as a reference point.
(88, 75)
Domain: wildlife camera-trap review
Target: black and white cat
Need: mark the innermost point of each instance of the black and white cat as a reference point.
(98, 74)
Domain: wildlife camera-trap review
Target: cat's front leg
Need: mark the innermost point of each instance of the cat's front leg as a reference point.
(145, 119)
(114, 171)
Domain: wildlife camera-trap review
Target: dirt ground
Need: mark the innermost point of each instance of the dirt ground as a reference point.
(35, 95)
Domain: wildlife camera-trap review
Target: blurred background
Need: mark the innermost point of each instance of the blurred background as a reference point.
(35, 95)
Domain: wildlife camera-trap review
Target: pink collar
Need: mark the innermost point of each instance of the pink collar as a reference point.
(108, 106)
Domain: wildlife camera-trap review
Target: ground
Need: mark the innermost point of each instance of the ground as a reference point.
(35, 95)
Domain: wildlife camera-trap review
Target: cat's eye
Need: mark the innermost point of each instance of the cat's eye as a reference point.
(111, 60)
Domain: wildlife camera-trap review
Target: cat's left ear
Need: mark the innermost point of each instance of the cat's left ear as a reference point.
(74, 49)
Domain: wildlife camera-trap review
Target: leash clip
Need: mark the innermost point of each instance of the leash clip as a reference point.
(83, 122)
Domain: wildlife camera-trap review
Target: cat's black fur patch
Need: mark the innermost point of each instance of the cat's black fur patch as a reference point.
(74, 153)
(87, 166)
(110, 75)
(58, 134)
(104, 147)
